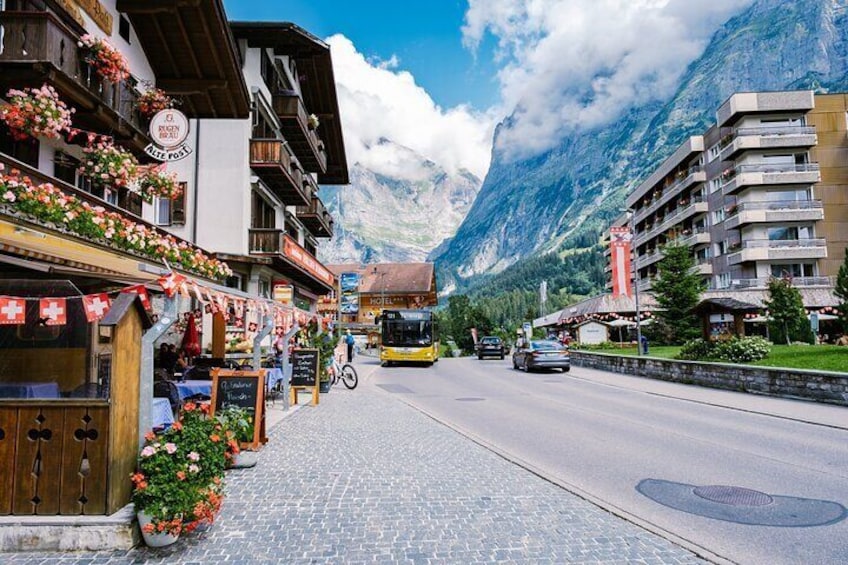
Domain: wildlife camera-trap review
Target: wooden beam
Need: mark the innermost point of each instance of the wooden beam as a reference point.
(154, 6)
(187, 86)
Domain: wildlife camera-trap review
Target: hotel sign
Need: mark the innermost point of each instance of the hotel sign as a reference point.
(97, 12)
(169, 131)
(303, 259)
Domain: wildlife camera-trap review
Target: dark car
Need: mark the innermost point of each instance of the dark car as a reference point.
(490, 346)
(541, 354)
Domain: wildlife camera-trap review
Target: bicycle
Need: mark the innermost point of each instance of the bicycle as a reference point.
(346, 373)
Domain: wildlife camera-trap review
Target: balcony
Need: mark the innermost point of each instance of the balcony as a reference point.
(698, 206)
(778, 250)
(699, 236)
(704, 268)
(305, 143)
(796, 281)
(37, 48)
(779, 212)
(316, 218)
(767, 174)
(292, 260)
(694, 176)
(272, 163)
(781, 137)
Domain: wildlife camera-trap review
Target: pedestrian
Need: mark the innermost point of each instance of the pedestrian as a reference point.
(644, 345)
(349, 341)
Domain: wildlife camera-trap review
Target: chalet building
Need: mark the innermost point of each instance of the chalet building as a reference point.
(759, 194)
(387, 286)
(253, 181)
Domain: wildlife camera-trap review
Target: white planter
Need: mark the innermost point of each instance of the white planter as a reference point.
(155, 539)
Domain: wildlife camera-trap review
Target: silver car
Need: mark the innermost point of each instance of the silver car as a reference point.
(541, 354)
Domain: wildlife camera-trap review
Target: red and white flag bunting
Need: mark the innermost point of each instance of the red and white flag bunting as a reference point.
(54, 311)
(12, 310)
(141, 291)
(171, 283)
(96, 306)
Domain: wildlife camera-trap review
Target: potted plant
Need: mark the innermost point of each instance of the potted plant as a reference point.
(312, 121)
(157, 182)
(102, 56)
(36, 112)
(326, 344)
(106, 164)
(236, 425)
(205, 451)
(152, 101)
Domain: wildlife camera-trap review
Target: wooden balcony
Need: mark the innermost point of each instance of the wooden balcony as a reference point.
(38, 48)
(316, 218)
(305, 142)
(272, 163)
(291, 259)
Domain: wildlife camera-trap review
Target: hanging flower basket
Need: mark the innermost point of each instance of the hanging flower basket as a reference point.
(106, 164)
(106, 61)
(312, 121)
(157, 182)
(152, 101)
(36, 112)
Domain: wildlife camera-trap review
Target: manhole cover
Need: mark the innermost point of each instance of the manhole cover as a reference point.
(470, 399)
(735, 496)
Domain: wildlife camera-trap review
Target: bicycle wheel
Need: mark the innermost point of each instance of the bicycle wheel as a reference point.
(349, 376)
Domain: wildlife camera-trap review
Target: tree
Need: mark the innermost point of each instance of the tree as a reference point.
(677, 289)
(786, 309)
(841, 291)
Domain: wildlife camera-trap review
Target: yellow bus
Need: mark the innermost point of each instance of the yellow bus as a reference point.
(408, 335)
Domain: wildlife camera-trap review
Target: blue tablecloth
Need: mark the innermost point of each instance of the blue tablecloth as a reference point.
(29, 390)
(192, 388)
(160, 413)
(273, 376)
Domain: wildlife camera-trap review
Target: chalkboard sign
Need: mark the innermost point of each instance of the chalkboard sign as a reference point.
(305, 367)
(245, 389)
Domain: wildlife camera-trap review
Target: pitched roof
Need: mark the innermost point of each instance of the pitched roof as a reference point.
(393, 278)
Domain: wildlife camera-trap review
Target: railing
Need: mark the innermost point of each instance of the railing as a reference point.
(768, 168)
(289, 104)
(669, 220)
(40, 37)
(781, 243)
(265, 240)
(779, 205)
(668, 193)
(775, 131)
(270, 152)
(762, 282)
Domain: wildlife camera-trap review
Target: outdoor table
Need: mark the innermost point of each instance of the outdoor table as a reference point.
(161, 414)
(29, 390)
(273, 376)
(192, 388)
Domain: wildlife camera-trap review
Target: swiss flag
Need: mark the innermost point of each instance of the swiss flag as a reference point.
(12, 310)
(54, 311)
(96, 306)
(141, 291)
(171, 283)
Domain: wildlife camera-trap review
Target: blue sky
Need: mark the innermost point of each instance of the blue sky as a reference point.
(425, 35)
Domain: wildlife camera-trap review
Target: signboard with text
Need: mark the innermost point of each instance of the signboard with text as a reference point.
(303, 259)
(349, 286)
(169, 131)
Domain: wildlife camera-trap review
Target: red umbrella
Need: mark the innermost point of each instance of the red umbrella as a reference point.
(191, 342)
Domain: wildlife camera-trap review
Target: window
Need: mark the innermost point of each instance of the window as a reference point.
(790, 233)
(722, 280)
(264, 288)
(262, 214)
(130, 201)
(25, 151)
(65, 168)
(702, 255)
(801, 194)
(178, 205)
(162, 211)
(110, 196)
(718, 216)
(124, 27)
(793, 270)
(715, 184)
(714, 152)
(720, 248)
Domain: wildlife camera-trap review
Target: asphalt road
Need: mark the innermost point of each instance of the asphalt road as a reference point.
(642, 448)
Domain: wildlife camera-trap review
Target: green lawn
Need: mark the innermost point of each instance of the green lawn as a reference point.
(812, 357)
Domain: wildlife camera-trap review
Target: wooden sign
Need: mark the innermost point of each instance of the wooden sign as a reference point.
(305, 365)
(245, 389)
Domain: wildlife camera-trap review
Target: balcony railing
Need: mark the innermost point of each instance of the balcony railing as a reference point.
(769, 173)
(767, 138)
(265, 241)
(272, 162)
(316, 218)
(306, 143)
(696, 206)
(772, 250)
(693, 175)
(776, 211)
(796, 281)
(38, 47)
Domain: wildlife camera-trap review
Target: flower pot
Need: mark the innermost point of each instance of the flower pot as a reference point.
(324, 386)
(155, 539)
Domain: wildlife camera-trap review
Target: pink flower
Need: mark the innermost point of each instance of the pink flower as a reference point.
(193, 468)
(170, 448)
(148, 451)
(194, 456)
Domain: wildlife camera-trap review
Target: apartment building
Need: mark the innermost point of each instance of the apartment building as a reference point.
(253, 183)
(761, 193)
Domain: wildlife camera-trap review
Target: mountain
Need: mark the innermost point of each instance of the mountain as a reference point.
(399, 214)
(561, 200)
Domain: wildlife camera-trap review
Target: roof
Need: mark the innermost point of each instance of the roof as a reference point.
(192, 52)
(125, 302)
(317, 83)
(392, 278)
(607, 304)
(726, 303)
(813, 297)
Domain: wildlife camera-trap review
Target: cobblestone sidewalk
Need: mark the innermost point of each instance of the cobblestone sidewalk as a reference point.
(366, 479)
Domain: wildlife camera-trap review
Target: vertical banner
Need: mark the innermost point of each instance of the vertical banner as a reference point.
(349, 283)
(620, 260)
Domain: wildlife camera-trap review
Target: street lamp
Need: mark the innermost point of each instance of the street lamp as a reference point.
(632, 225)
(382, 289)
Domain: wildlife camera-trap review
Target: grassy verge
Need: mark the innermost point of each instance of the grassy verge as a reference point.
(810, 357)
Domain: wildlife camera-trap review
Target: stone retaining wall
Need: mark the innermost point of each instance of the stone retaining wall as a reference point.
(812, 385)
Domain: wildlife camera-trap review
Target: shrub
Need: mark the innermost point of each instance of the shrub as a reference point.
(734, 350)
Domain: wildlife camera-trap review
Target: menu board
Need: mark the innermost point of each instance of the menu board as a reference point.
(245, 389)
(305, 367)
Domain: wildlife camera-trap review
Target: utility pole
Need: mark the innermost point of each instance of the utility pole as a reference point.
(635, 273)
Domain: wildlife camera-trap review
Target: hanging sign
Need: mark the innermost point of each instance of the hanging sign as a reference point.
(169, 131)
(349, 286)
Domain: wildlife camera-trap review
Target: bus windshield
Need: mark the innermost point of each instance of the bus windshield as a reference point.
(408, 329)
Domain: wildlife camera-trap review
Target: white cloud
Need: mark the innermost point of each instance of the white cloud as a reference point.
(379, 101)
(572, 64)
